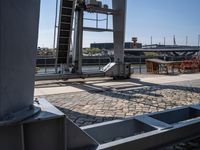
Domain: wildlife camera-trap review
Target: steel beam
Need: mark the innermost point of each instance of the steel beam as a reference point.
(151, 131)
(46, 130)
(51, 130)
(119, 25)
(19, 22)
(77, 54)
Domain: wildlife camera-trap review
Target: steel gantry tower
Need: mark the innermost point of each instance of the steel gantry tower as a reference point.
(118, 12)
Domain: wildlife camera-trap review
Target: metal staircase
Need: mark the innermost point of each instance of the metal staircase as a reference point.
(108, 67)
(117, 70)
(65, 30)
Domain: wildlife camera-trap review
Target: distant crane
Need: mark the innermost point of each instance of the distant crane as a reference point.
(174, 40)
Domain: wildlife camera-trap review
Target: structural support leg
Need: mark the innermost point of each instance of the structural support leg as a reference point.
(78, 42)
(18, 44)
(119, 23)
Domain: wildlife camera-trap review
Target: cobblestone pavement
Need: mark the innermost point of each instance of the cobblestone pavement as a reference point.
(89, 107)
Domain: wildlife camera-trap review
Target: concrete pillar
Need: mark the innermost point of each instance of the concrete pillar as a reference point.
(19, 21)
(119, 24)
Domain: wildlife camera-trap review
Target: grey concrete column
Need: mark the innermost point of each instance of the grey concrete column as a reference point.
(19, 21)
(119, 24)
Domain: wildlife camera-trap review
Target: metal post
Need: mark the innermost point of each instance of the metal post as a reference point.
(99, 62)
(54, 42)
(107, 20)
(18, 44)
(119, 24)
(199, 43)
(45, 65)
(78, 41)
(186, 42)
(140, 63)
(174, 40)
(164, 41)
(97, 19)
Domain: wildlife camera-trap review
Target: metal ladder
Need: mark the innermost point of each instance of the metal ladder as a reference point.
(107, 67)
(65, 30)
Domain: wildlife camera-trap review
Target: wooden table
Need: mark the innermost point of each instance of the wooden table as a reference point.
(157, 66)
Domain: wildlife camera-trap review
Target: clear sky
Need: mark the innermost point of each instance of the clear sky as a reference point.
(145, 18)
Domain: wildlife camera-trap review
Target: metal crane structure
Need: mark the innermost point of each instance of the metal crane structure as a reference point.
(34, 124)
(73, 12)
(117, 69)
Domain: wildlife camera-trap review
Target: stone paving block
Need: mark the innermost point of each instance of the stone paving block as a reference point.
(86, 108)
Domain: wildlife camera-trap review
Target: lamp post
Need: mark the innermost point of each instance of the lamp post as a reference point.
(199, 43)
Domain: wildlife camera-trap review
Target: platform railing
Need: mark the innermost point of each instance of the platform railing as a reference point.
(46, 64)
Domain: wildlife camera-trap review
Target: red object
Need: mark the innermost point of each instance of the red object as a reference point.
(190, 65)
